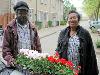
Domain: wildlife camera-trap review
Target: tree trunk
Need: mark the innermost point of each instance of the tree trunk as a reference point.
(97, 11)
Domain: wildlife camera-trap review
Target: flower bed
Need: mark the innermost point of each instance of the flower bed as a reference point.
(45, 65)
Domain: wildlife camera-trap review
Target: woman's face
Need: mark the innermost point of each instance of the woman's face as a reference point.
(73, 20)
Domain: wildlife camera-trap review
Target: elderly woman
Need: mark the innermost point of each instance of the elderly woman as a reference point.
(75, 44)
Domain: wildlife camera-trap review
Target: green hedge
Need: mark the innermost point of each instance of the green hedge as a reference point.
(50, 23)
(63, 22)
(93, 30)
(98, 43)
(39, 24)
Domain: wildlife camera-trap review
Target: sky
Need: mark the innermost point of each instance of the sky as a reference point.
(76, 3)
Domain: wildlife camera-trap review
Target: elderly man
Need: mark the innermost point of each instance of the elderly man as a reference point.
(19, 34)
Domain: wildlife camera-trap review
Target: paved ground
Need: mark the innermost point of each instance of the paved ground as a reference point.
(48, 31)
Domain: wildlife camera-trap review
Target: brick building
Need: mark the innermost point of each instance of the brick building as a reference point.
(40, 10)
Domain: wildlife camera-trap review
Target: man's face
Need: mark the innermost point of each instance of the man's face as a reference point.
(22, 16)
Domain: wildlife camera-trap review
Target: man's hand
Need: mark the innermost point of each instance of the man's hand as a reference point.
(10, 60)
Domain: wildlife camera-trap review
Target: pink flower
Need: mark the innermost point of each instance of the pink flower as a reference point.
(57, 54)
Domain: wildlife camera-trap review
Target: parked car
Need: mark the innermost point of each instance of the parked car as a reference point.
(94, 24)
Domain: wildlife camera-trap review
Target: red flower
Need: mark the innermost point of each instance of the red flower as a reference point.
(70, 63)
(76, 72)
(63, 61)
(51, 59)
(57, 60)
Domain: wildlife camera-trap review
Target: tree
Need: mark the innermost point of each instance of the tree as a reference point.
(67, 7)
(92, 8)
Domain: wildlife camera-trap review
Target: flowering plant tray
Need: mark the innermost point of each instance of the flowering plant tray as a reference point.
(44, 64)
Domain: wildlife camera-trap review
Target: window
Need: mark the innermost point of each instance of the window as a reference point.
(45, 2)
(40, 16)
(45, 16)
(31, 12)
(41, 1)
(15, 1)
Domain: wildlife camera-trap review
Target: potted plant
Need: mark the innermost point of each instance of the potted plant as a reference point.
(43, 64)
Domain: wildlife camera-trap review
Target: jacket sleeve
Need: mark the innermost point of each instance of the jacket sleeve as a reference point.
(92, 61)
(6, 50)
(37, 42)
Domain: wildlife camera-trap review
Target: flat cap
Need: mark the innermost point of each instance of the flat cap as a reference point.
(21, 5)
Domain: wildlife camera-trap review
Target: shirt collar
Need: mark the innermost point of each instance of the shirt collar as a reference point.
(22, 26)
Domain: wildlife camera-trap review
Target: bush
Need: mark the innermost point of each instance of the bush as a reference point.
(93, 30)
(50, 23)
(39, 24)
(98, 43)
(63, 22)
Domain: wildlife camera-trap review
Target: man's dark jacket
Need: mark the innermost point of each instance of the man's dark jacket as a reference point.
(10, 40)
(88, 60)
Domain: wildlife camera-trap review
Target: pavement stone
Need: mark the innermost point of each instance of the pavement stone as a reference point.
(95, 37)
(48, 31)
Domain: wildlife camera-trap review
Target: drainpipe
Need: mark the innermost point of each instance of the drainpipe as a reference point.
(36, 14)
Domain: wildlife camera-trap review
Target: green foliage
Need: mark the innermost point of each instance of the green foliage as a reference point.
(93, 30)
(98, 43)
(67, 7)
(50, 23)
(63, 22)
(39, 24)
(91, 7)
(43, 66)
